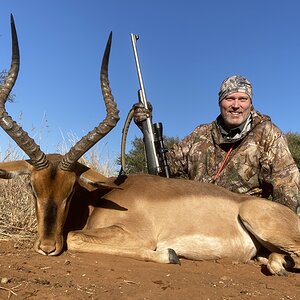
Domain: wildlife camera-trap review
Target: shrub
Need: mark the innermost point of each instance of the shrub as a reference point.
(294, 145)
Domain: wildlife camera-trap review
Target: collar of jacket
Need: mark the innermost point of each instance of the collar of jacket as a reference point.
(219, 138)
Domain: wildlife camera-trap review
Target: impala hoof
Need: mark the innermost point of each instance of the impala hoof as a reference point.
(173, 258)
(283, 273)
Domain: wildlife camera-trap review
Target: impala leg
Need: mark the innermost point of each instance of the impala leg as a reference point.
(278, 263)
(277, 229)
(115, 240)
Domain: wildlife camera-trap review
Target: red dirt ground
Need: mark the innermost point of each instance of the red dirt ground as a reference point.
(25, 274)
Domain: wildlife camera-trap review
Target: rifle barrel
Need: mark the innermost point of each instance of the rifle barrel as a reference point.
(134, 38)
(147, 127)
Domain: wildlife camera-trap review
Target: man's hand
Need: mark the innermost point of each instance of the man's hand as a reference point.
(141, 113)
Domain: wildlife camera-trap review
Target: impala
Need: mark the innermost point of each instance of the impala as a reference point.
(144, 217)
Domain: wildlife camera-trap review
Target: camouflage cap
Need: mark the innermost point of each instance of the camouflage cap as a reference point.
(236, 83)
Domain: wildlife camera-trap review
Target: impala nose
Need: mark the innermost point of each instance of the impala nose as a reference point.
(47, 248)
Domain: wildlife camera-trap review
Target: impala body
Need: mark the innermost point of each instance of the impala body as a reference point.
(158, 219)
(144, 217)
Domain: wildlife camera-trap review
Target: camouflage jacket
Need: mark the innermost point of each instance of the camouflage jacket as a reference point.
(259, 164)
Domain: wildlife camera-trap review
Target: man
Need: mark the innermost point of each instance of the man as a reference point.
(242, 150)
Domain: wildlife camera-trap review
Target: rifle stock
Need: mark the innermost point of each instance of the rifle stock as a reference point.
(152, 134)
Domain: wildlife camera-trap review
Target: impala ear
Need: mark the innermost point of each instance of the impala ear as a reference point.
(92, 180)
(13, 169)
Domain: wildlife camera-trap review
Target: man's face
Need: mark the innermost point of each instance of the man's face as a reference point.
(235, 109)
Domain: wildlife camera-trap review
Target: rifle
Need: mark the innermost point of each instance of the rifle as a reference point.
(152, 133)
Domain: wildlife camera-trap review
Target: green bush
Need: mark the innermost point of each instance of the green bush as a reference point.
(293, 139)
(135, 159)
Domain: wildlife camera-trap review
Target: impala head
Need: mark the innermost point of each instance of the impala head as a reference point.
(53, 177)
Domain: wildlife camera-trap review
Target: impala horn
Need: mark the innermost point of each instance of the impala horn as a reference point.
(37, 157)
(112, 117)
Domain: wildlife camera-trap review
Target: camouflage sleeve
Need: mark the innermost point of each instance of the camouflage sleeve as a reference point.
(177, 156)
(280, 170)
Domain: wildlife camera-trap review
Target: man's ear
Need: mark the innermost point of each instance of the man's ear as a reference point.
(92, 180)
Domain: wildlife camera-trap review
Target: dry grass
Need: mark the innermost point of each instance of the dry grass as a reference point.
(93, 158)
(17, 218)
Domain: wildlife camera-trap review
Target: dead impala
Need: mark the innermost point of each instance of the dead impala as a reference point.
(144, 217)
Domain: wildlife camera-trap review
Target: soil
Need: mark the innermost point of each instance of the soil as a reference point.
(25, 274)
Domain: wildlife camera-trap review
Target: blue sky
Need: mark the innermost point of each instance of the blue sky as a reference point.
(186, 49)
